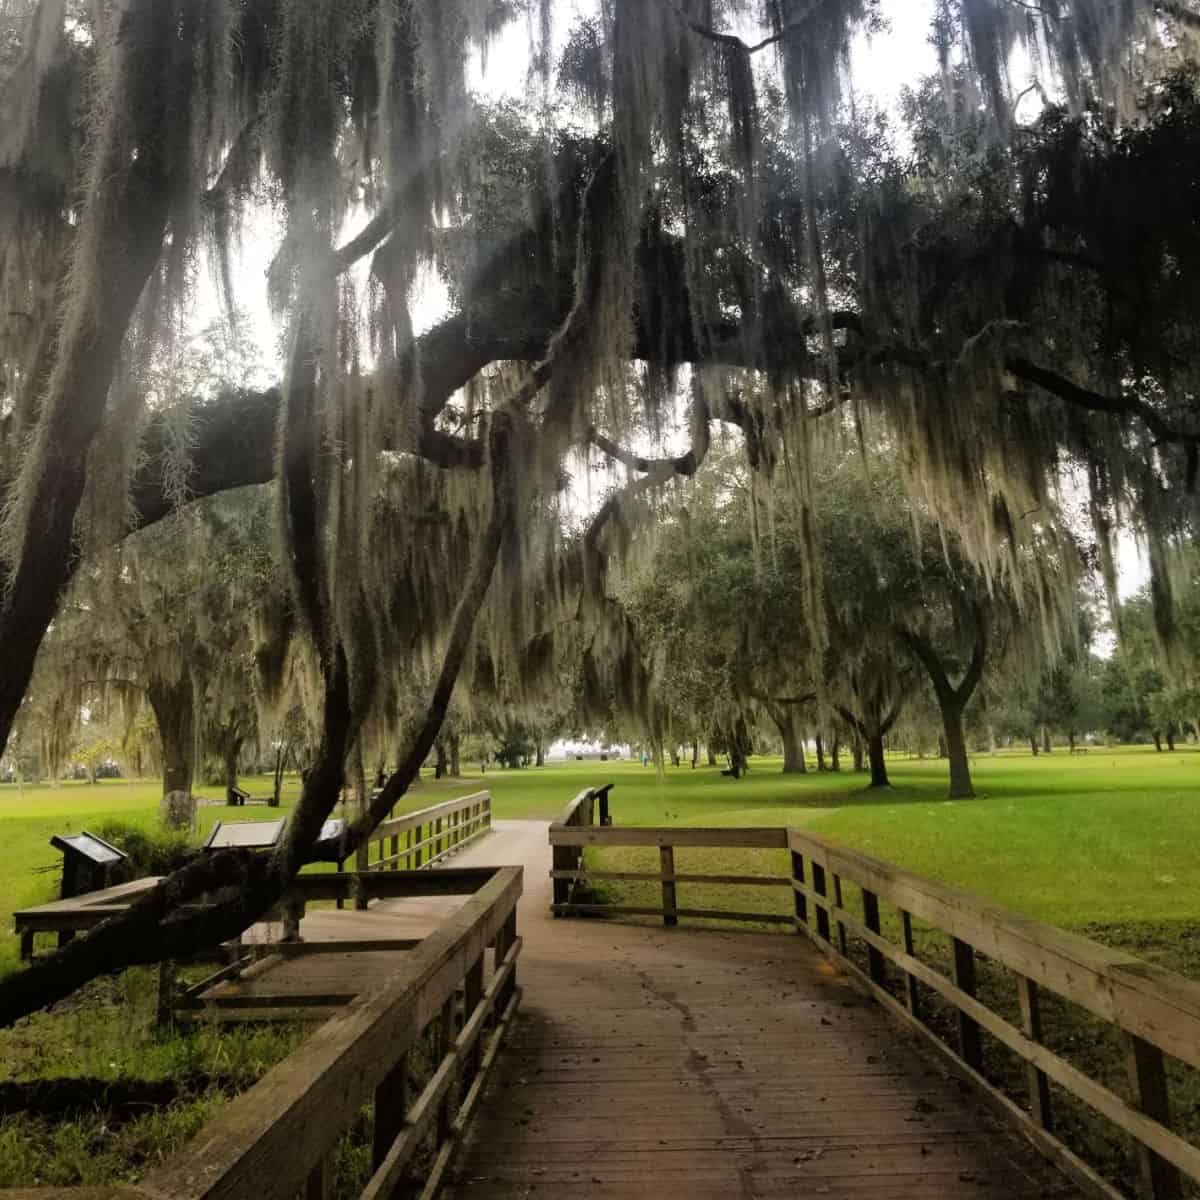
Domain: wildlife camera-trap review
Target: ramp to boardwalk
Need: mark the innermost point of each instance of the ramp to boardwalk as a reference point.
(694, 1063)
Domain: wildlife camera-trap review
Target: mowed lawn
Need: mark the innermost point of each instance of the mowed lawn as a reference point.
(32, 814)
(1106, 839)
(1103, 839)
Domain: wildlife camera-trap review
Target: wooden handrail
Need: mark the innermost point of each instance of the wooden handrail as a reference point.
(574, 832)
(424, 815)
(1155, 1010)
(274, 1140)
(1156, 1004)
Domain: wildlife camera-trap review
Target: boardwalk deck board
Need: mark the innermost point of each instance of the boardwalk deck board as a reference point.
(308, 986)
(652, 1062)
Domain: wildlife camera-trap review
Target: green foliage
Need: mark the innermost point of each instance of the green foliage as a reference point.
(153, 851)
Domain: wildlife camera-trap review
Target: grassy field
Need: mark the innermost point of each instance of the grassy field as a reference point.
(1106, 838)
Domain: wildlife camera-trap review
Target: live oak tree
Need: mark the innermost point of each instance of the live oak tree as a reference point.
(711, 214)
(169, 623)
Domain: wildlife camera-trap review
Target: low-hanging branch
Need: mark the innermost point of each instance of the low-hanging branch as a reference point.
(793, 27)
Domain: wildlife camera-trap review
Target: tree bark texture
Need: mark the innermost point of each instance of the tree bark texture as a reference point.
(124, 223)
(953, 700)
(877, 761)
(173, 703)
(792, 735)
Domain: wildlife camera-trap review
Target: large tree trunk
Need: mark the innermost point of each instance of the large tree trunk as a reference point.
(942, 749)
(956, 751)
(695, 753)
(540, 753)
(277, 789)
(230, 752)
(711, 756)
(793, 740)
(856, 749)
(1158, 741)
(120, 229)
(879, 775)
(820, 752)
(835, 761)
(1047, 745)
(455, 740)
(440, 765)
(174, 711)
(1171, 737)
(1033, 746)
(991, 732)
(1071, 741)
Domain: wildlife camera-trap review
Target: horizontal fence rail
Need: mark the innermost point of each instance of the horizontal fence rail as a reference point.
(430, 834)
(276, 1140)
(1156, 1011)
(574, 831)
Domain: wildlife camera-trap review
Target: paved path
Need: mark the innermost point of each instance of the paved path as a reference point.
(691, 1063)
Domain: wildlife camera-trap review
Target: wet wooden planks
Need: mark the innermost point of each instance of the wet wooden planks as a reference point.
(312, 980)
(691, 1063)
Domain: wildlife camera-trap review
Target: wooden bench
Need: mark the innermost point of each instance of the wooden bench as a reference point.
(236, 798)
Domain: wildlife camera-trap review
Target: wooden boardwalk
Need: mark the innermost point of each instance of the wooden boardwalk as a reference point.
(690, 1063)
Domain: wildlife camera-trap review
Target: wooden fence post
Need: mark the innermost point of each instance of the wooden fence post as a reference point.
(837, 899)
(445, 1043)
(822, 913)
(472, 994)
(505, 936)
(362, 860)
(969, 1044)
(417, 834)
(391, 1105)
(1148, 1078)
(395, 852)
(911, 995)
(319, 1185)
(799, 898)
(870, 902)
(1031, 1019)
(666, 858)
(167, 973)
(561, 861)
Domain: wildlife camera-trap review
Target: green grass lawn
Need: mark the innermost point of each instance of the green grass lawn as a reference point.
(1106, 838)
(31, 815)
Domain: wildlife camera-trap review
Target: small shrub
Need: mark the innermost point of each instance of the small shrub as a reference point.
(151, 851)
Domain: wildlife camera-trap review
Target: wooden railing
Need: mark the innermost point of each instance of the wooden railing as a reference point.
(430, 834)
(574, 831)
(567, 859)
(276, 1140)
(1156, 1011)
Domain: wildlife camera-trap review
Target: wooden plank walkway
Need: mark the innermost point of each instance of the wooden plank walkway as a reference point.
(691, 1063)
(314, 982)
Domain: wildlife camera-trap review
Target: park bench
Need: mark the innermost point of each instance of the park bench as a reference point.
(236, 798)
